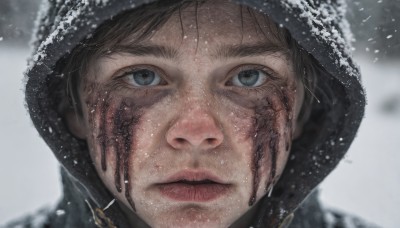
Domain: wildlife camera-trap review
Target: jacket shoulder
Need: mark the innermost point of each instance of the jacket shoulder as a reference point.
(39, 219)
(336, 219)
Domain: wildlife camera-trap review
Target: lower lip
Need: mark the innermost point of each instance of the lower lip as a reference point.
(193, 193)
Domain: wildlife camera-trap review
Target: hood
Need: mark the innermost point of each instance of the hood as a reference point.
(318, 26)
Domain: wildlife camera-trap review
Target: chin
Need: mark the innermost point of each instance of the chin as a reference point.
(185, 222)
(192, 217)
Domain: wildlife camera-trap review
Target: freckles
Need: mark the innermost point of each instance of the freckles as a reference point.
(151, 160)
(150, 148)
(242, 124)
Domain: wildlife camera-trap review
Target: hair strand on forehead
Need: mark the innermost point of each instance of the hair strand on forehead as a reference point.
(197, 25)
(181, 23)
(241, 23)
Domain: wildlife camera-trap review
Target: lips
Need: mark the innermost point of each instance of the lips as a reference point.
(193, 186)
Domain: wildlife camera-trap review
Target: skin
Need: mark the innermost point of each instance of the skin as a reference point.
(198, 118)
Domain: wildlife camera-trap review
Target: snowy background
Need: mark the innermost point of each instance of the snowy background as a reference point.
(366, 183)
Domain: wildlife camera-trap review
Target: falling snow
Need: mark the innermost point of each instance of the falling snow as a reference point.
(341, 190)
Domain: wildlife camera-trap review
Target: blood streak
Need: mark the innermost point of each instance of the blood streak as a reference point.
(102, 128)
(118, 117)
(265, 118)
(289, 117)
(119, 139)
(126, 117)
(266, 137)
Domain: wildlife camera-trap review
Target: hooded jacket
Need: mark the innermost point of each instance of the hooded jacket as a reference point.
(319, 26)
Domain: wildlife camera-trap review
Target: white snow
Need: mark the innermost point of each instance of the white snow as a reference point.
(366, 183)
(101, 2)
(318, 17)
(64, 25)
(28, 171)
(60, 212)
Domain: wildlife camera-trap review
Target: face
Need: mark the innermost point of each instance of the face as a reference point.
(192, 126)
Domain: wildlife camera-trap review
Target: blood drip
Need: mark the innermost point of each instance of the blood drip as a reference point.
(267, 137)
(120, 139)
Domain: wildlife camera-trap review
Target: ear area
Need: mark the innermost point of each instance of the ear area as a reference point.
(301, 109)
(75, 123)
(298, 130)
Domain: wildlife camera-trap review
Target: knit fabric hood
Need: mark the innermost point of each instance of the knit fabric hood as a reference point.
(318, 26)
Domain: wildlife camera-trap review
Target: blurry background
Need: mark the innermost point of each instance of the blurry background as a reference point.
(366, 183)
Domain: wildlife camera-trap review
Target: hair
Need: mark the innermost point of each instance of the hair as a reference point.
(143, 21)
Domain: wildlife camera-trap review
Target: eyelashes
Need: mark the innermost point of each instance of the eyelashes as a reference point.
(247, 77)
(142, 76)
(250, 76)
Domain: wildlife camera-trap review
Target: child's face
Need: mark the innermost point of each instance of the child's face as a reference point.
(192, 128)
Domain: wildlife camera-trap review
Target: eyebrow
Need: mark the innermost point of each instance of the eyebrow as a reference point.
(248, 50)
(147, 50)
(221, 52)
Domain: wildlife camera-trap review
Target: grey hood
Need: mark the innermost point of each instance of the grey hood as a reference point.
(318, 26)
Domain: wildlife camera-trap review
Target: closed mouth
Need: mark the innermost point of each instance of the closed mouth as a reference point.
(193, 187)
(198, 182)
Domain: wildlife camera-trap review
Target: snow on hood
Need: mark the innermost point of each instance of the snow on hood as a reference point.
(327, 13)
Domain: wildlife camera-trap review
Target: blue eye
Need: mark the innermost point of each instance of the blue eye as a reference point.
(249, 78)
(143, 77)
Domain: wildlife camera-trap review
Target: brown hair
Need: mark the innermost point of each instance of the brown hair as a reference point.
(143, 21)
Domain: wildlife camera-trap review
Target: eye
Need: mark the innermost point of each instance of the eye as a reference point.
(142, 77)
(249, 78)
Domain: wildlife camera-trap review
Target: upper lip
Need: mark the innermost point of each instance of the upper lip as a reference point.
(193, 177)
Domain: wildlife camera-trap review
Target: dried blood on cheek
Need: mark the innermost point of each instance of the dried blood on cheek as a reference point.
(117, 119)
(266, 134)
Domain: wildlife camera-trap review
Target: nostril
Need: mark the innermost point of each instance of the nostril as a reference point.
(211, 141)
(180, 140)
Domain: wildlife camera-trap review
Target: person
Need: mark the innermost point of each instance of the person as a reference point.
(194, 113)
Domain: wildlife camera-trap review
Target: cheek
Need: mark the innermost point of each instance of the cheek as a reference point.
(150, 141)
(273, 123)
(113, 123)
(238, 127)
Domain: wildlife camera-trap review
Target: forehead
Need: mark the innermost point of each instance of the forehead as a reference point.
(214, 23)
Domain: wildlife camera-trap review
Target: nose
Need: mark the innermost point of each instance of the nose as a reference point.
(195, 129)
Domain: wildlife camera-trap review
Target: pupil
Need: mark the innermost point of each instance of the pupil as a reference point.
(248, 77)
(143, 77)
